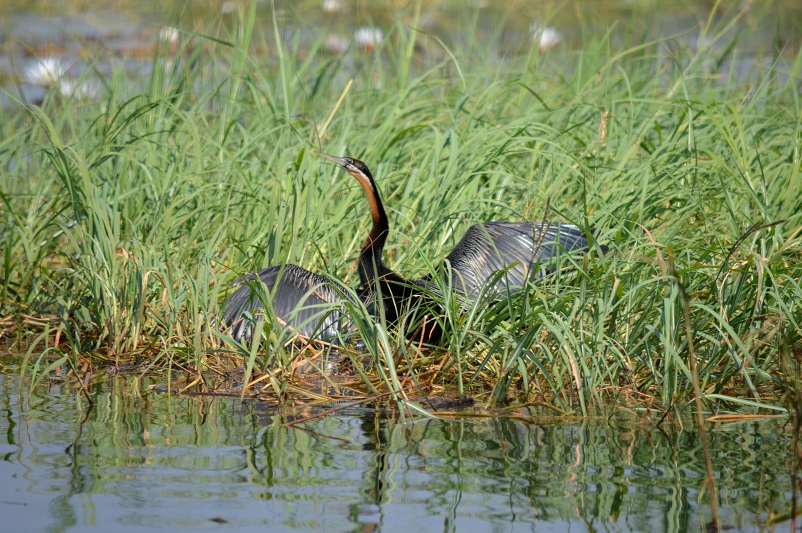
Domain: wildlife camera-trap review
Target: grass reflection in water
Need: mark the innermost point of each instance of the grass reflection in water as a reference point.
(140, 458)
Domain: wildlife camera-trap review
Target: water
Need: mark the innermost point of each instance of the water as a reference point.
(71, 48)
(145, 460)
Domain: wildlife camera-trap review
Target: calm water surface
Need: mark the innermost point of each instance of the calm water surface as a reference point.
(145, 460)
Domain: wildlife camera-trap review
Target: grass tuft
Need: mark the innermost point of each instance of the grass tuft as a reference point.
(126, 221)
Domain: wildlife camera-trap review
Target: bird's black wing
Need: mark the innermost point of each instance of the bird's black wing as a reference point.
(304, 302)
(521, 249)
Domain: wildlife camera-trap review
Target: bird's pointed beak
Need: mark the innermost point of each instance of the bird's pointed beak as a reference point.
(338, 160)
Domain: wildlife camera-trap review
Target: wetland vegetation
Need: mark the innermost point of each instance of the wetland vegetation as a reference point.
(128, 211)
(127, 218)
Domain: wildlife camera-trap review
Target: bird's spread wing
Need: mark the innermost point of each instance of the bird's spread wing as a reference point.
(304, 302)
(520, 249)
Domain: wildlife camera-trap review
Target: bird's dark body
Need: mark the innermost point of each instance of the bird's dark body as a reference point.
(304, 302)
(523, 250)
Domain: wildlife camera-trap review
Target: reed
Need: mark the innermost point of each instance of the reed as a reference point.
(125, 221)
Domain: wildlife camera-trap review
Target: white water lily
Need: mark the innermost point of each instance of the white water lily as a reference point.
(546, 37)
(85, 89)
(368, 38)
(335, 44)
(333, 6)
(169, 34)
(45, 71)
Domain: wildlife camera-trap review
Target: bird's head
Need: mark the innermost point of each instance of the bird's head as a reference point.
(355, 167)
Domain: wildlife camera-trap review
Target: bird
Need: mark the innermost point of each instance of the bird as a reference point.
(521, 250)
(314, 305)
(305, 303)
(518, 250)
(390, 292)
(311, 304)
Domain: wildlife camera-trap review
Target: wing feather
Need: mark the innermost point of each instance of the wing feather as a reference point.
(517, 247)
(304, 302)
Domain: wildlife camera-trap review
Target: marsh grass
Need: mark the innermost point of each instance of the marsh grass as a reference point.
(126, 221)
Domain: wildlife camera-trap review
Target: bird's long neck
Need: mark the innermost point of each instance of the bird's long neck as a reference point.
(371, 265)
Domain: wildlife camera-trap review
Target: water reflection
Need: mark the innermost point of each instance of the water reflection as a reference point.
(141, 458)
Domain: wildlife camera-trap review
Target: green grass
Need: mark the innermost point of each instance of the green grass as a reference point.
(125, 221)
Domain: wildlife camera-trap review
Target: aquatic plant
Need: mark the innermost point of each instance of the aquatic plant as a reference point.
(126, 221)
